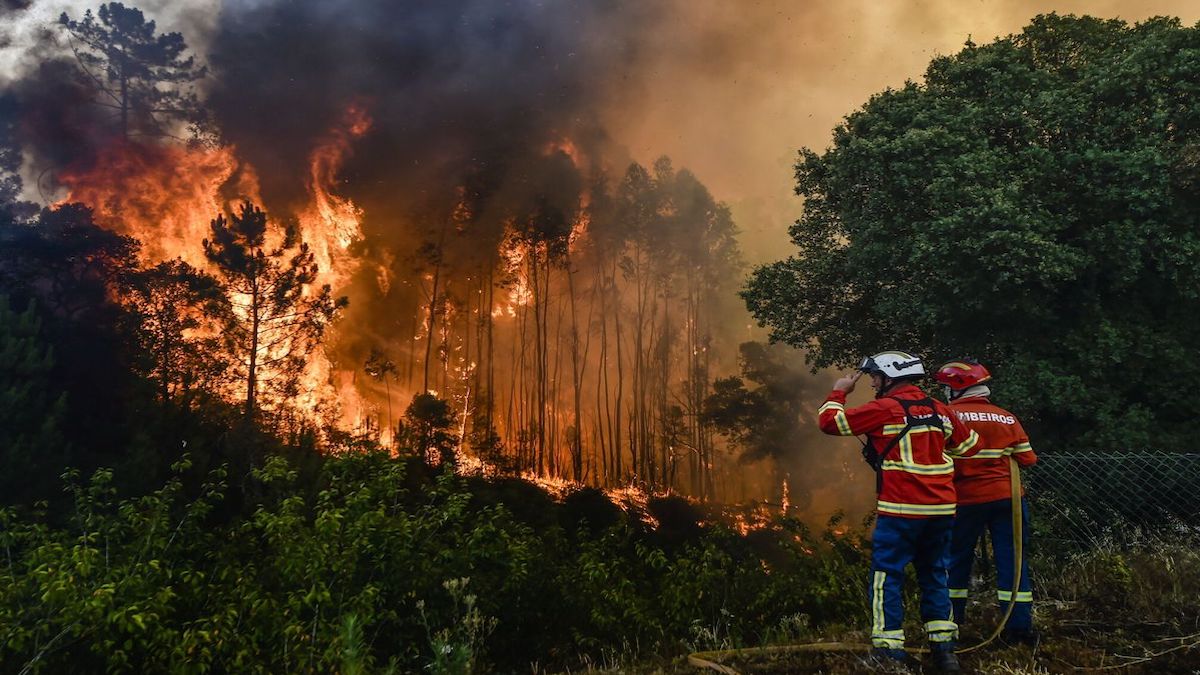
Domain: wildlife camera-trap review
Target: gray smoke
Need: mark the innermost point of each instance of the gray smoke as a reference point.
(455, 88)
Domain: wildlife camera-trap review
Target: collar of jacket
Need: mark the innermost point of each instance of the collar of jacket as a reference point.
(978, 391)
(905, 390)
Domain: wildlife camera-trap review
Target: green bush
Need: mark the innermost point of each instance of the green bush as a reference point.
(363, 568)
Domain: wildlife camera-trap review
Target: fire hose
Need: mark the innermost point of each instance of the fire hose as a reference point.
(712, 659)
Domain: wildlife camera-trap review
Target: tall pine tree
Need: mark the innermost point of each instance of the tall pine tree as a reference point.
(274, 318)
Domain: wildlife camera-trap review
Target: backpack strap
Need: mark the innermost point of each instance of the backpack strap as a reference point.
(874, 458)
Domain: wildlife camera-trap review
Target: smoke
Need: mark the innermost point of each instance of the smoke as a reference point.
(730, 90)
(454, 87)
(496, 108)
(475, 105)
(733, 89)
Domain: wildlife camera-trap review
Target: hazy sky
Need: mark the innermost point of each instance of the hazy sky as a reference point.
(740, 86)
(732, 88)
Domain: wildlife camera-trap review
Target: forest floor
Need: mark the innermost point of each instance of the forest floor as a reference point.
(1129, 605)
(1067, 647)
(1070, 644)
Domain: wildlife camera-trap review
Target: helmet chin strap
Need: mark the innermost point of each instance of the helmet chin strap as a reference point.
(885, 386)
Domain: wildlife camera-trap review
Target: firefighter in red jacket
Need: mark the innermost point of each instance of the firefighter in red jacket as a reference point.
(909, 438)
(985, 495)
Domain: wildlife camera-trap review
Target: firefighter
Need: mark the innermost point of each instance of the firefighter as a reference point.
(985, 495)
(909, 436)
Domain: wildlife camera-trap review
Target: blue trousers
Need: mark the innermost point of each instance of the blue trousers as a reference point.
(924, 542)
(996, 518)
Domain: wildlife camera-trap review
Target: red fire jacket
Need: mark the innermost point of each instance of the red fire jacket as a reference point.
(918, 476)
(984, 477)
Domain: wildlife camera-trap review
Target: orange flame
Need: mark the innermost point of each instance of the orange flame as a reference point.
(165, 196)
(521, 294)
(332, 224)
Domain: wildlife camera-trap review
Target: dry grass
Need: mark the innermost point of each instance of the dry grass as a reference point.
(1132, 609)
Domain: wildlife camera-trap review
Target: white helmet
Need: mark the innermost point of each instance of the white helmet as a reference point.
(895, 365)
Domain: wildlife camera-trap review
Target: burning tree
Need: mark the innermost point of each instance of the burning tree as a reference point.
(171, 302)
(426, 428)
(66, 260)
(141, 76)
(380, 368)
(274, 317)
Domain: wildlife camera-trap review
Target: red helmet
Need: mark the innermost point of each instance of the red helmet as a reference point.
(959, 375)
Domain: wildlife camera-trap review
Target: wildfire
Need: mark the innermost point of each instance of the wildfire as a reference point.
(567, 147)
(635, 498)
(332, 224)
(165, 196)
(520, 294)
(757, 517)
(578, 231)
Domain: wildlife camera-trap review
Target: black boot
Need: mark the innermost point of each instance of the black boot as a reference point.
(943, 658)
(1029, 637)
(891, 659)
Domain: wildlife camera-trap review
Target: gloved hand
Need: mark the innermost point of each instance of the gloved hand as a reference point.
(847, 382)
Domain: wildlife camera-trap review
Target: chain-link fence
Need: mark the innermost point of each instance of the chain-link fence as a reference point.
(1088, 497)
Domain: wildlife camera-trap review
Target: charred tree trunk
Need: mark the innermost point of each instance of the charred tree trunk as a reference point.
(433, 302)
(252, 366)
(577, 440)
(618, 449)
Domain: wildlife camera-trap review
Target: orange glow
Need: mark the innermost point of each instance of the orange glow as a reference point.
(165, 196)
(578, 231)
(568, 148)
(516, 257)
(332, 224)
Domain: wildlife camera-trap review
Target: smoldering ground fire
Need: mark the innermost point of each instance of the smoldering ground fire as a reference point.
(446, 167)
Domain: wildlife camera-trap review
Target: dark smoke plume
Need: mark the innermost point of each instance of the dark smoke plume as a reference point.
(455, 88)
(465, 97)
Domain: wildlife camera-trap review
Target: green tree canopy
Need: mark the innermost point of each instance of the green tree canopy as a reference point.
(32, 408)
(1033, 203)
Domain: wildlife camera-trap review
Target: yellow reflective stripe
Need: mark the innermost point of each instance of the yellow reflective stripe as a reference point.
(839, 417)
(941, 631)
(923, 469)
(893, 429)
(878, 621)
(958, 593)
(1022, 447)
(971, 441)
(988, 453)
(890, 643)
(906, 453)
(1022, 596)
(843, 423)
(892, 639)
(915, 509)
